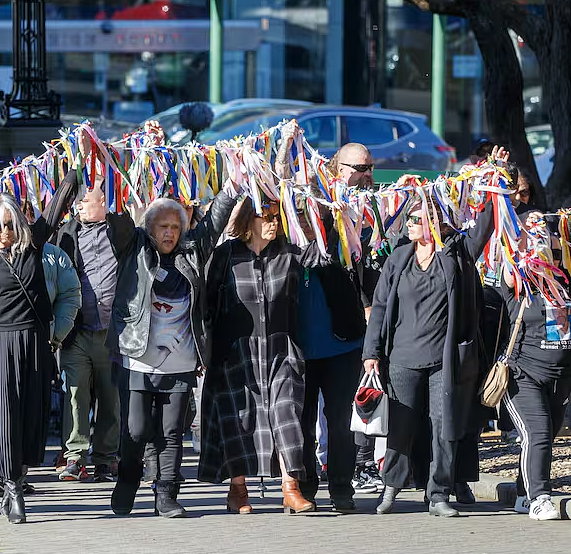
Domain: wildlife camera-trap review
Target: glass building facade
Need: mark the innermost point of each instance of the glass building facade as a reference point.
(127, 59)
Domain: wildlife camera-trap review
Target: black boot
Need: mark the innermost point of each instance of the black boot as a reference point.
(13, 506)
(128, 481)
(165, 500)
(123, 497)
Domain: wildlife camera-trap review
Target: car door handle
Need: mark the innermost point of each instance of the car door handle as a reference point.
(402, 157)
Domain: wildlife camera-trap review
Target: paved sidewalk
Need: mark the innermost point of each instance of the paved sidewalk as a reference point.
(77, 516)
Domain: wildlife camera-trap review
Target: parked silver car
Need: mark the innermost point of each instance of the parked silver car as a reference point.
(397, 140)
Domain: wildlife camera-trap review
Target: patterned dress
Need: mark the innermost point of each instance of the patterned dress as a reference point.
(253, 391)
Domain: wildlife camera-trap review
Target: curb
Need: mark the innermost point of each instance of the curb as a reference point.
(498, 489)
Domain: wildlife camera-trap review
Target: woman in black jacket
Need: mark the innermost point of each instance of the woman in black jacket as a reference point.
(26, 362)
(422, 339)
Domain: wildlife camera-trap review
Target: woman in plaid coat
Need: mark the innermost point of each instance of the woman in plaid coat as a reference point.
(254, 389)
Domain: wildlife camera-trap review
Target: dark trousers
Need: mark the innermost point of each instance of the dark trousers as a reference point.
(170, 412)
(337, 377)
(365, 449)
(536, 406)
(412, 393)
(26, 371)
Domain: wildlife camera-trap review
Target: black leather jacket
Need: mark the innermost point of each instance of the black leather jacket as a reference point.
(138, 263)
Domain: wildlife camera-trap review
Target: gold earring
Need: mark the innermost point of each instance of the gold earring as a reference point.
(248, 235)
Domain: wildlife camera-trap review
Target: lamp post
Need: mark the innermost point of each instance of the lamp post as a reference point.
(30, 103)
(216, 50)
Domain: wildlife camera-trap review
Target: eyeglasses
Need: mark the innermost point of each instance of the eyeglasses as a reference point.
(9, 225)
(270, 217)
(361, 168)
(557, 255)
(414, 219)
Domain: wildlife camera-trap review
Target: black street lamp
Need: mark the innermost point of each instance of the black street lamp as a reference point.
(30, 103)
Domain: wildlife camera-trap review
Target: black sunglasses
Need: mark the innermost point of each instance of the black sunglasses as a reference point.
(9, 224)
(361, 168)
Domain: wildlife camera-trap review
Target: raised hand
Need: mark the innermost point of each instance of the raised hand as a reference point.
(155, 132)
(500, 154)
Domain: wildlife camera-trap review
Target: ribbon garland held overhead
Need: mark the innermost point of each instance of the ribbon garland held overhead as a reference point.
(136, 171)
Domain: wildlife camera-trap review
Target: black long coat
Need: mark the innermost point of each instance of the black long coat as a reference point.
(253, 392)
(460, 364)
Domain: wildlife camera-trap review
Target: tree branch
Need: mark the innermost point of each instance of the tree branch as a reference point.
(531, 27)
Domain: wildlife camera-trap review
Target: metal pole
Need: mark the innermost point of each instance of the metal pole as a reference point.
(216, 50)
(438, 73)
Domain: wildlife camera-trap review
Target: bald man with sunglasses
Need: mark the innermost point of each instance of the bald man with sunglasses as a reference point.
(354, 164)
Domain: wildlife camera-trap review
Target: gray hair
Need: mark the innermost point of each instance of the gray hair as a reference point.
(22, 231)
(161, 206)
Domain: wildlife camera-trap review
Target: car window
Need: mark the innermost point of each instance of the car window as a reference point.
(370, 130)
(244, 127)
(540, 140)
(321, 131)
(403, 128)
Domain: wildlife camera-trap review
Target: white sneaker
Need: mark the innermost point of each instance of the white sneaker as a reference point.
(543, 509)
(522, 505)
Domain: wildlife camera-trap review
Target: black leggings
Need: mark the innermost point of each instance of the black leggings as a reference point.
(165, 427)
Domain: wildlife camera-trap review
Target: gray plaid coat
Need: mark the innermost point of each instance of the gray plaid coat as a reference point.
(253, 391)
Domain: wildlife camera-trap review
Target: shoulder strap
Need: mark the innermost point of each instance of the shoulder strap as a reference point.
(516, 330)
(499, 332)
(17, 277)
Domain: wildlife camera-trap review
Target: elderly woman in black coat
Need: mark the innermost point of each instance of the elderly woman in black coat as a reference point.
(253, 393)
(422, 339)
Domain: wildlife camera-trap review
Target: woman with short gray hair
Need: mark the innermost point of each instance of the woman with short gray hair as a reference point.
(157, 326)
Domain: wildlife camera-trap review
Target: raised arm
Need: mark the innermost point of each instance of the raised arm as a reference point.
(479, 235)
(281, 165)
(121, 232)
(212, 225)
(47, 224)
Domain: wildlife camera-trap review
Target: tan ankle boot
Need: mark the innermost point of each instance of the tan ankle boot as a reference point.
(237, 501)
(294, 502)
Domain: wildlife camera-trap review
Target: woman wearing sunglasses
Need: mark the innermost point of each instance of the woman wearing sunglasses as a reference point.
(26, 362)
(422, 339)
(253, 392)
(540, 380)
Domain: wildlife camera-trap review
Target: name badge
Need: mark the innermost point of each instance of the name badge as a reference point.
(161, 274)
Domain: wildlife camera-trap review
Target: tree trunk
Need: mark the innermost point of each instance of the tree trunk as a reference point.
(556, 84)
(503, 89)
